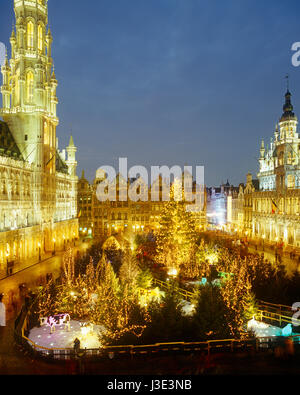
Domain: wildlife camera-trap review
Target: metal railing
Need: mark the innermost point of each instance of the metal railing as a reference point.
(276, 318)
(208, 347)
(23, 325)
(267, 311)
(180, 291)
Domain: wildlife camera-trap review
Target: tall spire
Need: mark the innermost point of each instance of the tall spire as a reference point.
(71, 143)
(262, 149)
(288, 108)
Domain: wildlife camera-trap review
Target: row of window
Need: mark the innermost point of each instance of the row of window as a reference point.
(30, 36)
(289, 205)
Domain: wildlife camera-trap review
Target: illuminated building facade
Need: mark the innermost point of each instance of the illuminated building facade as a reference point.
(271, 210)
(276, 207)
(217, 204)
(38, 204)
(240, 207)
(106, 218)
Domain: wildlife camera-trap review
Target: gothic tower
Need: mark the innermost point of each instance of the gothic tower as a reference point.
(71, 162)
(287, 152)
(29, 106)
(29, 86)
(280, 164)
(29, 99)
(38, 205)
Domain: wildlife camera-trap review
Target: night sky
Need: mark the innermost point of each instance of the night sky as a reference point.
(171, 82)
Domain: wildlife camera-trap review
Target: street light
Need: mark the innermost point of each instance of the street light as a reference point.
(54, 241)
(39, 245)
(7, 255)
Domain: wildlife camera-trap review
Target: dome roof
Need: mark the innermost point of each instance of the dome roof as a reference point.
(288, 108)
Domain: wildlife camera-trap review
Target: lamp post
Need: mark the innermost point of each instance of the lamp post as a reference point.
(264, 236)
(54, 241)
(7, 255)
(39, 245)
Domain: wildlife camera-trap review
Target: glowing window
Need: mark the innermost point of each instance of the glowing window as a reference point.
(29, 86)
(30, 29)
(290, 181)
(40, 38)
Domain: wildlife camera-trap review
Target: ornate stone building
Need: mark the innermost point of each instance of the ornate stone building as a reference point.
(38, 183)
(240, 207)
(219, 204)
(276, 207)
(272, 211)
(100, 219)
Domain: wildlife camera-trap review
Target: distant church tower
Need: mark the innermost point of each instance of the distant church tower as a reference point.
(71, 162)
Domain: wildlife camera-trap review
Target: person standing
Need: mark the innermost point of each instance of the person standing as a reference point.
(2, 313)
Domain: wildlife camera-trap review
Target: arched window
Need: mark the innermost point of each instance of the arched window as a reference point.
(29, 86)
(290, 181)
(30, 35)
(40, 38)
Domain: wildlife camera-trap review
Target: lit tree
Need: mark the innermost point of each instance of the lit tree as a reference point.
(47, 303)
(113, 253)
(107, 291)
(144, 279)
(176, 235)
(235, 292)
(68, 267)
(91, 277)
(126, 319)
(192, 269)
(129, 269)
(106, 276)
(250, 307)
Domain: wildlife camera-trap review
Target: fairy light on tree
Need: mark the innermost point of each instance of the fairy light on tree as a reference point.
(176, 235)
(48, 301)
(68, 266)
(129, 269)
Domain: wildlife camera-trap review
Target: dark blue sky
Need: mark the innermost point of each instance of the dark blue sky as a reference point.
(171, 81)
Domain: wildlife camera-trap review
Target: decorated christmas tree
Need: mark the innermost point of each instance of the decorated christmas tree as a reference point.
(177, 234)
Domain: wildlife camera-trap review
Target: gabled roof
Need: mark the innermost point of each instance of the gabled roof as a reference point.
(8, 146)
